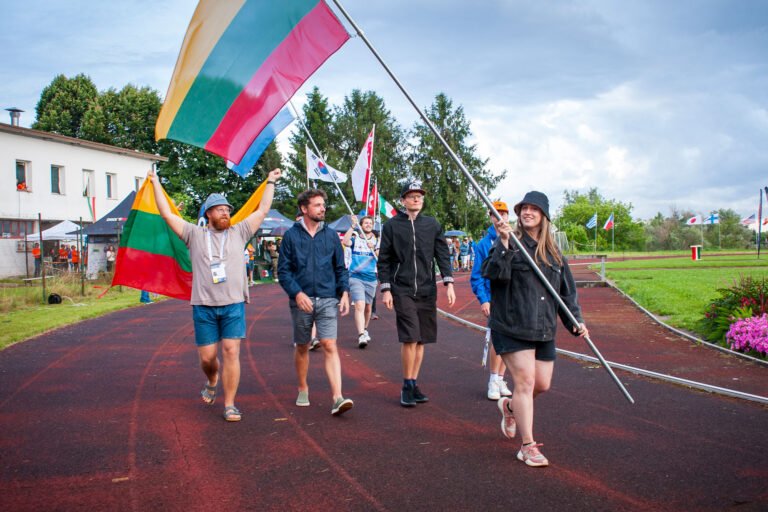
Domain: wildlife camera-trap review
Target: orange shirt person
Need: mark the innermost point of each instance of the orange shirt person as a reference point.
(75, 256)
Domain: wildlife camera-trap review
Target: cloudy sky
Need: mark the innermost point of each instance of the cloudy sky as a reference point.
(659, 104)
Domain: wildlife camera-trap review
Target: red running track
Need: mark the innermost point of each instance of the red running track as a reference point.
(105, 415)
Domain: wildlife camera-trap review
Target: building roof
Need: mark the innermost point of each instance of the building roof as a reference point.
(63, 139)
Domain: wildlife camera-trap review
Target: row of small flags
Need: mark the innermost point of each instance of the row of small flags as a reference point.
(592, 222)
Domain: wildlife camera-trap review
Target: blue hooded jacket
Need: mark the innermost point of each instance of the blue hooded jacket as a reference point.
(481, 286)
(313, 265)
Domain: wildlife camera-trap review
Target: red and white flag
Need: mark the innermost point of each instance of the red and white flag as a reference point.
(609, 223)
(361, 173)
(695, 220)
(748, 221)
(373, 201)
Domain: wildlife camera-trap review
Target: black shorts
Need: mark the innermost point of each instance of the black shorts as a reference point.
(416, 318)
(503, 344)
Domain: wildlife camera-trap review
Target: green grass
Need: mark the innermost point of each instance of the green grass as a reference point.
(24, 315)
(731, 260)
(679, 295)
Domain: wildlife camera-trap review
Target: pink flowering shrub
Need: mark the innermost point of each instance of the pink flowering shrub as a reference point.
(749, 334)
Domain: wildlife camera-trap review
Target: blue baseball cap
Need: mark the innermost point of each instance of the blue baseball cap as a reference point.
(216, 200)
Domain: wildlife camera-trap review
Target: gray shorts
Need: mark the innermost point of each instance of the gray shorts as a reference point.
(324, 315)
(360, 290)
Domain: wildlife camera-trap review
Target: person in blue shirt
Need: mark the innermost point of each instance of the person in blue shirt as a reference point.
(481, 287)
(362, 274)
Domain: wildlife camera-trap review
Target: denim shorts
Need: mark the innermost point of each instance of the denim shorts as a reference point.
(360, 290)
(324, 315)
(214, 323)
(503, 344)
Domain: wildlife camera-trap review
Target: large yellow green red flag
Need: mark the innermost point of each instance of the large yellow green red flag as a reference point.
(151, 257)
(239, 64)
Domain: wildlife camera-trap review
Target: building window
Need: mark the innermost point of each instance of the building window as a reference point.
(137, 183)
(57, 179)
(16, 228)
(23, 178)
(111, 186)
(88, 185)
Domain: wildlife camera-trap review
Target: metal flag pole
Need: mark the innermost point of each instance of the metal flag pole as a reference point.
(760, 221)
(333, 177)
(484, 197)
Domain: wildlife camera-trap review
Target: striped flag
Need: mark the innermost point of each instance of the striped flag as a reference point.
(239, 64)
(265, 138)
(591, 223)
(385, 208)
(150, 256)
(361, 172)
(748, 221)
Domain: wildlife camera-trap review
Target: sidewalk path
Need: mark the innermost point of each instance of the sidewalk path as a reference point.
(105, 415)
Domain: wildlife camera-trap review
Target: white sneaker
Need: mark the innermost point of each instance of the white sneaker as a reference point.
(315, 343)
(362, 341)
(367, 336)
(503, 389)
(493, 390)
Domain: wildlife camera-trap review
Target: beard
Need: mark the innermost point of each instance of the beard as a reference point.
(220, 224)
(318, 217)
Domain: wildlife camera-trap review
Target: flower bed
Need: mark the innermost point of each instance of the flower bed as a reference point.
(749, 334)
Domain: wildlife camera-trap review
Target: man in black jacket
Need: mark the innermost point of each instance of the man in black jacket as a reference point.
(410, 243)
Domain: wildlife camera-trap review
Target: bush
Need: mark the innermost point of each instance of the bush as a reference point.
(749, 335)
(746, 298)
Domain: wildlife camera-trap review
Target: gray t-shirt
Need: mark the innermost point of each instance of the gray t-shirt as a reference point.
(234, 289)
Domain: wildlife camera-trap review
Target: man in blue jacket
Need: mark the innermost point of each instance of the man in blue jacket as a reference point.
(311, 271)
(481, 287)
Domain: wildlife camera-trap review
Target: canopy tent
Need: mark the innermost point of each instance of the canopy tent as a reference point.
(342, 224)
(275, 224)
(61, 231)
(112, 223)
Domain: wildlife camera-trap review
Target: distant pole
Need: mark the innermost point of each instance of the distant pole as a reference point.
(80, 259)
(26, 254)
(760, 222)
(613, 232)
(42, 252)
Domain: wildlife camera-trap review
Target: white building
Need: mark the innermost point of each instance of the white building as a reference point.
(59, 178)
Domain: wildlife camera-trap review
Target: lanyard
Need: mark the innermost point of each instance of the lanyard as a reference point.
(221, 249)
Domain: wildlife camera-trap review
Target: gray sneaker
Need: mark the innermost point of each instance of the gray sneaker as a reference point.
(315, 343)
(341, 406)
(303, 399)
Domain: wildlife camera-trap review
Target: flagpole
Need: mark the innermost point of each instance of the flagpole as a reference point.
(760, 222)
(613, 232)
(298, 116)
(484, 197)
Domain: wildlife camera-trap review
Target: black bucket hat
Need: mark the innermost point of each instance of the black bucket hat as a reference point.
(534, 198)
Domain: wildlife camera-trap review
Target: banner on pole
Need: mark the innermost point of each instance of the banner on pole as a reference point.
(318, 170)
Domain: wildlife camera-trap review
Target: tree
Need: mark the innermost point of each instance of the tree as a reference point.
(450, 197)
(63, 104)
(729, 233)
(125, 119)
(578, 209)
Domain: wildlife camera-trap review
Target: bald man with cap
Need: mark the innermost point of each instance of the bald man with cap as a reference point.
(219, 288)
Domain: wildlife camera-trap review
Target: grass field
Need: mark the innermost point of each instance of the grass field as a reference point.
(24, 315)
(678, 289)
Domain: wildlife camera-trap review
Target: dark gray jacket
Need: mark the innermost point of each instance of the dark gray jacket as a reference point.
(521, 306)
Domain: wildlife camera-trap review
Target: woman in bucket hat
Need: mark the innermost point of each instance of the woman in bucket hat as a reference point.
(524, 315)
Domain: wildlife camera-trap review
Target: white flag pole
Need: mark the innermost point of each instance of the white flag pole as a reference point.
(484, 197)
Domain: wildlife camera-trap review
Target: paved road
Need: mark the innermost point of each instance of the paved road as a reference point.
(104, 415)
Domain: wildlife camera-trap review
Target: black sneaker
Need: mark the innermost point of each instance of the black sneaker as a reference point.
(418, 396)
(406, 397)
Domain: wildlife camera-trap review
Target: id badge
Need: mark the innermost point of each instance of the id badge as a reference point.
(219, 273)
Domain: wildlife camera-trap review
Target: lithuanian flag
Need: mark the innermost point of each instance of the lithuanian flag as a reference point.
(240, 63)
(151, 257)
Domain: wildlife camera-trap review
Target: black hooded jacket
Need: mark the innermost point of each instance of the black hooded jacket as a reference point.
(407, 254)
